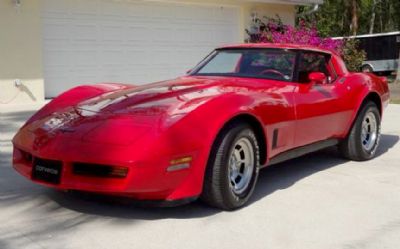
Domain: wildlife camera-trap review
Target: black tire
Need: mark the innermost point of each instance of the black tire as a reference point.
(367, 69)
(217, 189)
(354, 147)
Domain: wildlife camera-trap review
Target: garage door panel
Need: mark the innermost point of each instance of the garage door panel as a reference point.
(137, 34)
(85, 58)
(57, 30)
(112, 33)
(112, 8)
(88, 41)
(137, 58)
(86, 75)
(138, 11)
(58, 58)
(83, 31)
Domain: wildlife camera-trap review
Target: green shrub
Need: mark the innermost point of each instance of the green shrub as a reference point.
(352, 55)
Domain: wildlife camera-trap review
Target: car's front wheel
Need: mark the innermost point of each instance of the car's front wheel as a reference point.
(232, 169)
(363, 139)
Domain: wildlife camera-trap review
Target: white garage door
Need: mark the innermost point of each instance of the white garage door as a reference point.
(90, 41)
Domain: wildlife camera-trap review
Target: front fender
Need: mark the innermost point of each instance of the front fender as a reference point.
(198, 130)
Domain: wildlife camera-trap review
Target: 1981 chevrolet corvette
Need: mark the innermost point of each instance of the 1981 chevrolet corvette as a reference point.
(205, 134)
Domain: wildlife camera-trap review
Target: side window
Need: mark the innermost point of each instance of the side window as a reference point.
(314, 62)
(277, 65)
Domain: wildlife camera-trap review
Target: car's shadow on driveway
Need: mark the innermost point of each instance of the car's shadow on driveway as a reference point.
(284, 175)
(277, 177)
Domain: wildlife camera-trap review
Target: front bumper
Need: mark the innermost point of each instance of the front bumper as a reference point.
(144, 180)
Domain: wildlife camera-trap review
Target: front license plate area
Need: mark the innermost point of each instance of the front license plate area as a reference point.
(48, 171)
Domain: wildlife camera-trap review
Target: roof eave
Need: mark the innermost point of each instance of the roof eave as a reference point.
(289, 2)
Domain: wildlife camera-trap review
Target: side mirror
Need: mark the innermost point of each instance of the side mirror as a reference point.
(317, 78)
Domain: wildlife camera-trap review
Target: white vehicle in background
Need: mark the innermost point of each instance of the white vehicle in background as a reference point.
(382, 51)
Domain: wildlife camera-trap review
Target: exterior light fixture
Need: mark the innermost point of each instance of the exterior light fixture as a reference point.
(17, 3)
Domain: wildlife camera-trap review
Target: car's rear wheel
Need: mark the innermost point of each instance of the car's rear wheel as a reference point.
(232, 169)
(363, 139)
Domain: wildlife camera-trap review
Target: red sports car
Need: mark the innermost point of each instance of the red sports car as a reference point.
(206, 134)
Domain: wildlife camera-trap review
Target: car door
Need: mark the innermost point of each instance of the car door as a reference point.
(275, 69)
(321, 109)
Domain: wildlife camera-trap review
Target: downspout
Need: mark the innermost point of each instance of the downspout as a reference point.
(314, 9)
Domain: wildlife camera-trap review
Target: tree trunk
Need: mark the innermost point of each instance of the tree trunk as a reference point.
(354, 17)
(389, 22)
(372, 21)
(342, 24)
(380, 17)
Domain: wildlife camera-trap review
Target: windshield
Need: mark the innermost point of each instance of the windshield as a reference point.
(276, 64)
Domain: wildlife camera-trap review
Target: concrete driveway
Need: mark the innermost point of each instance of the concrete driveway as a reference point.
(317, 201)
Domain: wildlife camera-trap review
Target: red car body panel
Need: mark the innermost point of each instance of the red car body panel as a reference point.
(145, 128)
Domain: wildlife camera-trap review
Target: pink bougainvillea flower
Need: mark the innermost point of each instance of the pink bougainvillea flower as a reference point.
(275, 32)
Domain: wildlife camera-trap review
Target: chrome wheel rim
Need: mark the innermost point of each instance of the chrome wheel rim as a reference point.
(369, 131)
(241, 165)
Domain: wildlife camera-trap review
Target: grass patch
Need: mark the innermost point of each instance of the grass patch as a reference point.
(394, 93)
(391, 79)
(395, 101)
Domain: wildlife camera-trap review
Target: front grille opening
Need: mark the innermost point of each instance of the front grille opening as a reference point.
(98, 170)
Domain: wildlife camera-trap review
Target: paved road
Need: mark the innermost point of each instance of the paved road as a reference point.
(317, 201)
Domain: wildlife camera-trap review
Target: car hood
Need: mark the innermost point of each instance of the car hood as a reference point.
(134, 111)
(167, 97)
